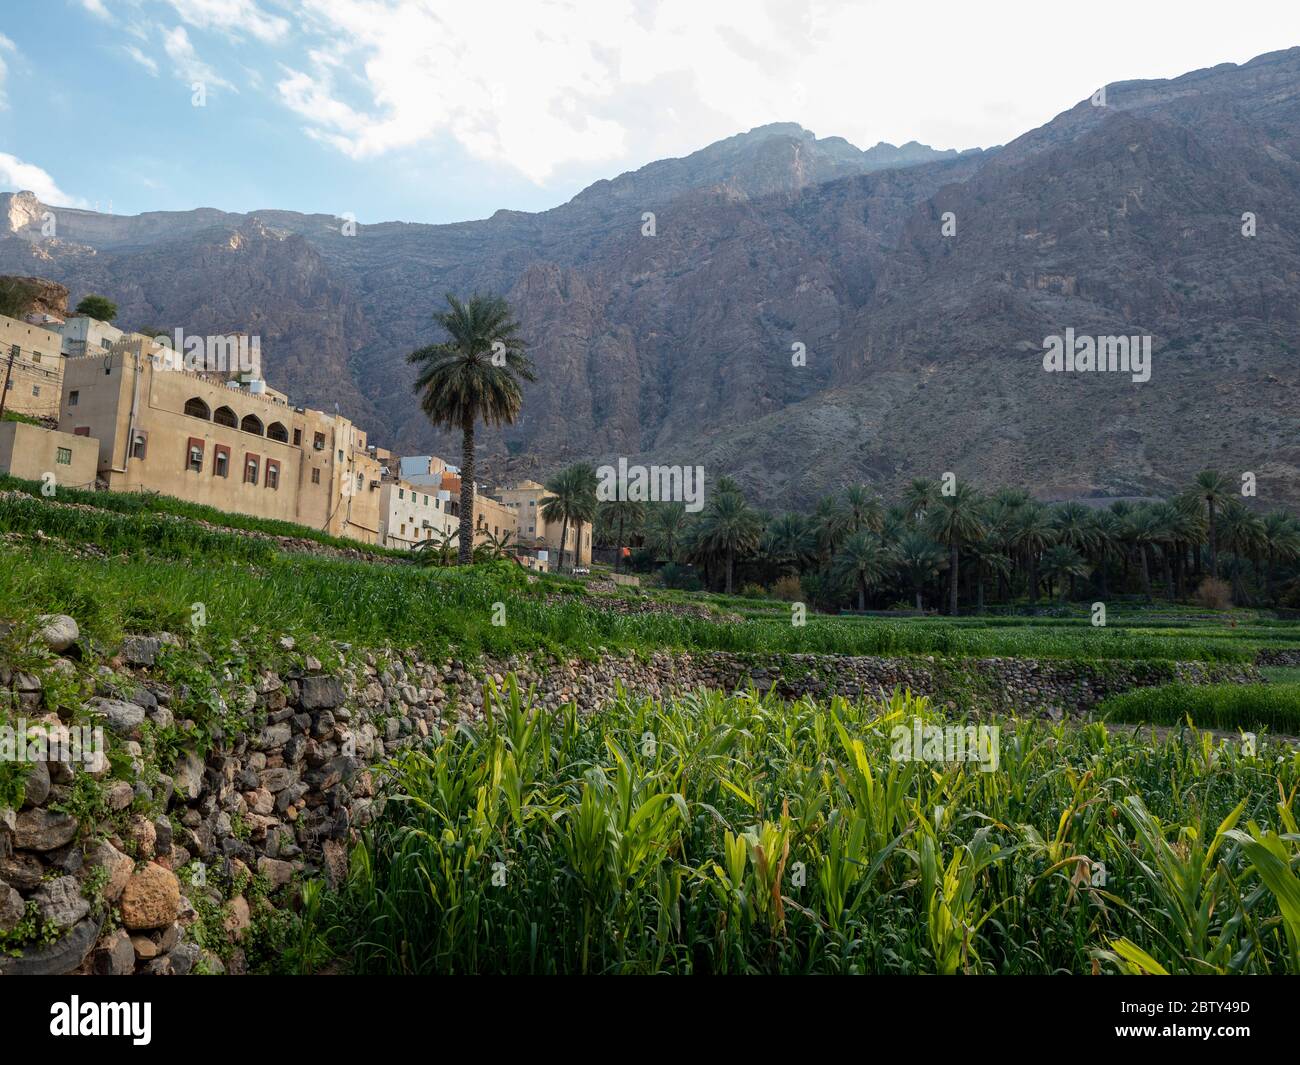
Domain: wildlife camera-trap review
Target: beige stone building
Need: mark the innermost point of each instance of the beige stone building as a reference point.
(526, 499)
(31, 368)
(32, 452)
(237, 447)
(410, 514)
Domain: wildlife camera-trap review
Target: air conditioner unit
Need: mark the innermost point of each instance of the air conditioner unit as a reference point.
(318, 446)
(374, 485)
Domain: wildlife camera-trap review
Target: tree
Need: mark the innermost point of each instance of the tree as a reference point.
(620, 516)
(730, 528)
(665, 529)
(1245, 536)
(1214, 488)
(790, 541)
(15, 296)
(1075, 529)
(955, 521)
(572, 502)
(472, 376)
(1030, 532)
(830, 525)
(501, 545)
(1062, 564)
(864, 510)
(100, 307)
(1142, 529)
(920, 559)
(861, 562)
(437, 550)
(1281, 542)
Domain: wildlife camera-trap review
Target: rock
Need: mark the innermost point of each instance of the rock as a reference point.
(12, 908)
(162, 829)
(277, 873)
(321, 693)
(141, 650)
(237, 920)
(60, 902)
(151, 898)
(58, 631)
(57, 958)
(23, 871)
(123, 717)
(120, 794)
(43, 830)
(143, 836)
(105, 856)
(144, 948)
(37, 786)
(274, 780)
(114, 955)
(187, 778)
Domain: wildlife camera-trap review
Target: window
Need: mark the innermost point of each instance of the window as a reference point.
(36, 390)
(426, 501)
(401, 493)
(297, 438)
(250, 468)
(73, 396)
(276, 431)
(315, 476)
(9, 385)
(36, 356)
(81, 430)
(340, 454)
(225, 416)
(195, 408)
(361, 482)
(139, 444)
(104, 342)
(318, 441)
(14, 351)
(403, 530)
(251, 424)
(272, 474)
(195, 455)
(221, 460)
(63, 456)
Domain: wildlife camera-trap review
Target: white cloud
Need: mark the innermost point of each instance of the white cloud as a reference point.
(97, 8)
(145, 61)
(232, 17)
(186, 62)
(555, 84)
(20, 176)
(6, 45)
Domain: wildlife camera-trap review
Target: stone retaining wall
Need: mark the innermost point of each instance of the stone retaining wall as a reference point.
(167, 854)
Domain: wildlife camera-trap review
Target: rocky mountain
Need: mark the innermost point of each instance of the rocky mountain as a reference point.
(920, 284)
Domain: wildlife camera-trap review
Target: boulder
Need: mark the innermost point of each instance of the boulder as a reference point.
(37, 787)
(43, 830)
(12, 908)
(60, 902)
(114, 955)
(57, 958)
(321, 693)
(151, 898)
(58, 631)
(105, 856)
(123, 717)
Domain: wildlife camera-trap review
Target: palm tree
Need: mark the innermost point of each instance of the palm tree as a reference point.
(501, 545)
(436, 550)
(572, 501)
(1062, 564)
(864, 510)
(1214, 489)
(1030, 532)
(920, 560)
(861, 561)
(1107, 542)
(472, 376)
(1281, 541)
(831, 525)
(1142, 529)
(620, 516)
(955, 521)
(1075, 529)
(729, 528)
(920, 497)
(664, 530)
(990, 558)
(1244, 535)
(790, 541)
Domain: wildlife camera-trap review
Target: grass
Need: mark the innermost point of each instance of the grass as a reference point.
(714, 834)
(1275, 706)
(150, 503)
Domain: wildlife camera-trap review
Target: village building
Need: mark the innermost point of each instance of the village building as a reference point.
(526, 500)
(31, 368)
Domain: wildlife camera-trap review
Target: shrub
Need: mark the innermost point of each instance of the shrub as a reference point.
(679, 577)
(1214, 594)
(788, 589)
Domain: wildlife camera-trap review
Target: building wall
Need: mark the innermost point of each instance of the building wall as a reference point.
(30, 452)
(36, 379)
(527, 499)
(322, 474)
(80, 335)
(405, 508)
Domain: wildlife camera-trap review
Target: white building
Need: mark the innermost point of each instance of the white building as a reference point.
(83, 335)
(410, 514)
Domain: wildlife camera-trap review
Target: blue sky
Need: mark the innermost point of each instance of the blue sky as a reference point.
(426, 110)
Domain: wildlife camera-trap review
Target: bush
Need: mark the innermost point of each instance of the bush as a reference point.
(681, 578)
(788, 589)
(753, 591)
(1214, 594)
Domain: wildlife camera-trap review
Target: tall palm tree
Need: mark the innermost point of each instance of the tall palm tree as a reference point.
(1075, 529)
(1062, 564)
(955, 521)
(790, 541)
(621, 516)
(1143, 530)
(665, 527)
(474, 375)
(1030, 533)
(1243, 534)
(572, 502)
(920, 497)
(1215, 490)
(1107, 543)
(864, 510)
(861, 561)
(730, 528)
(1281, 541)
(831, 525)
(920, 559)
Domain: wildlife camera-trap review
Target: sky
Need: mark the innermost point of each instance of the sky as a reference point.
(437, 111)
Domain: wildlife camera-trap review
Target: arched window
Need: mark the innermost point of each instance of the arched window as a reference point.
(196, 408)
(251, 424)
(225, 416)
(276, 431)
